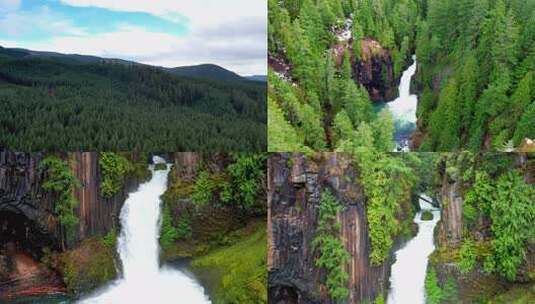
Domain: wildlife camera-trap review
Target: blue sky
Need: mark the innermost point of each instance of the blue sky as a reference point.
(231, 33)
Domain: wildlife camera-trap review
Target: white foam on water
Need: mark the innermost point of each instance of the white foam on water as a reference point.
(403, 108)
(407, 279)
(143, 280)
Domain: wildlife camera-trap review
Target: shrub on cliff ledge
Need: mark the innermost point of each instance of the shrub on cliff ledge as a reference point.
(247, 179)
(87, 267)
(203, 189)
(508, 202)
(387, 182)
(333, 255)
(61, 181)
(113, 167)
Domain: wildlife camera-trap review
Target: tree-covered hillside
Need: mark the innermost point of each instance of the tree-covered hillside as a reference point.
(63, 104)
(474, 80)
(319, 52)
(477, 59)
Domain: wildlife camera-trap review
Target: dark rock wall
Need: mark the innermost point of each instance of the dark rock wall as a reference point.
(21, 193)
(376, 71)
(295, 184)
(450, 226)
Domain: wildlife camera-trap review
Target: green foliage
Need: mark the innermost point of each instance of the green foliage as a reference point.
(240, 269)
(315, 93)
(160, 167)
(247, 177)
(203, 189)
(110, 239)
(333, 255)
(183, 228)
(387, 182)
(379, 300)
(479, 197)
(113, 167)
(508, 202)
(61, 181)
(54, 104)
(512, 214)
(434, 294)
(87, 267)
(477, 57)
(281, 135)
(467, 256)
(427, 215)
(168, 233)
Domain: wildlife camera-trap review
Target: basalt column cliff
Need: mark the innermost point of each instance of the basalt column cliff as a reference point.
(36, 249)
(296, 185)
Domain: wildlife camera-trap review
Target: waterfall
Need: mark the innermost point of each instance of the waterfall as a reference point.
(403, 109)
(143, 281)
(408, 272)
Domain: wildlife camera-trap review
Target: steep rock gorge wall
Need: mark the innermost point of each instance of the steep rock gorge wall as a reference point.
(295, 184)
(30, 229)
(450, 226)
(97, 215)
(21, 192)
(376, 71)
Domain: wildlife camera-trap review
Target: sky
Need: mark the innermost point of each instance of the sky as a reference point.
(170, 33)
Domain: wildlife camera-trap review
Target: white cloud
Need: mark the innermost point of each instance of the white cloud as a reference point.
(242, 54)
(40, 19)
(198, 12)
(230, 33)
(7, 6)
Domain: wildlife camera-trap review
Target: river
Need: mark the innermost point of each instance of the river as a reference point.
(143, 280)
(409, 270)
(403, 109)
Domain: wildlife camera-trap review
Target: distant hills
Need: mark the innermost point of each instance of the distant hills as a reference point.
(202, 71)
(261, 78)
(209, 71)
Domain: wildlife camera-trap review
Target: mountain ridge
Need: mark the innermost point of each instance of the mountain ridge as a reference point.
(202, 71)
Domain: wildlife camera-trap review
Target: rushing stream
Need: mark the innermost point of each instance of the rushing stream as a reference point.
(408, 272)
(143, 280)
(403, 109)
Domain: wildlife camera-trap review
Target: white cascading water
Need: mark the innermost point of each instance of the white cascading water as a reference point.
(408, 272)
(403, 109)
(143, 280)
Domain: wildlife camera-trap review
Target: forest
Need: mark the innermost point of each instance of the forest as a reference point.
(474, 73)
(60, 104)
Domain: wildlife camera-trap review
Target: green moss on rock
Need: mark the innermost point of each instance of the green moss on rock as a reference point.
(87, 267)
(160, 167)
(238, 271)
(427, 216)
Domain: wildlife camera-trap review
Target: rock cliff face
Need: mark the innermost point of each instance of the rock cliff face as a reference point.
(450, 226)
(29, 224)
(21, 193)
(376, 71)
(97, 214)
(295, 184)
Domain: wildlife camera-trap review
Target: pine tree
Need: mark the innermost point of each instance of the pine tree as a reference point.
(383, 129)
(468, 91)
